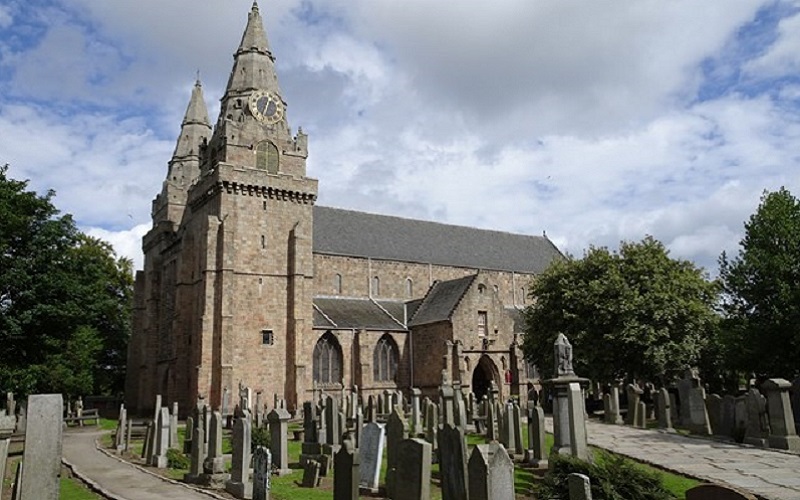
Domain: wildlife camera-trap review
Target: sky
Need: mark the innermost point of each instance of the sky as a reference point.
(591, 122)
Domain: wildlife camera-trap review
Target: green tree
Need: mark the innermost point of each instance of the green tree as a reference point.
(635, 313)
(64, 300)
(762, 290)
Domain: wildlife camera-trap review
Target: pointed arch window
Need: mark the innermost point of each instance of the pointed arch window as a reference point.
(384, 363)
(376, 286)
(327, 360)
(267, 157)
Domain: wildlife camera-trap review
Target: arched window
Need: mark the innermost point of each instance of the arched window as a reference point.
(376, 285)
(409, 288)
(522, 295)
(327, 360)
(337, 283)
(481, 288)
(384, 363)
(267, 157)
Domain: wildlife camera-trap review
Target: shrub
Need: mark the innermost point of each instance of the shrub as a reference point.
(259, 436)
(612, 477)
(177, 460)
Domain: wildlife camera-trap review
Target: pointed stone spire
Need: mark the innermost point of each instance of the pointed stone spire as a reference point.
(195, 126)
(254, 67)
(255, 38)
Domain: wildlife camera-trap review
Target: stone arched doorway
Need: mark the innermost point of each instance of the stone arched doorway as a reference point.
(485, 371)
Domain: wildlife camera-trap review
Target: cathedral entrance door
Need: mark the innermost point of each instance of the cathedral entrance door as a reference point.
(485, 371)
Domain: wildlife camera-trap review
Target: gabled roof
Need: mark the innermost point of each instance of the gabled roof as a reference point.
(441, 300)
(359, 234)
(357, 313)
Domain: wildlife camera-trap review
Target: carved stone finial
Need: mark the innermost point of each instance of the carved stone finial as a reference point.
(563, 351)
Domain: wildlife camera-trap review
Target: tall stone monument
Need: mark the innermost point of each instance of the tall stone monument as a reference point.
(568, 404)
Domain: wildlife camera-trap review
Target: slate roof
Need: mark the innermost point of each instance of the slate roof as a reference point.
(441, 300)
(357, 313)
(359, 234)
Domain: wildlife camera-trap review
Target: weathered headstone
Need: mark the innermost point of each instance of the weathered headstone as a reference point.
(159, 456)
(373, 440)
(634, 394)
(173, 427)
(122, 424)
(615, 417)
(579, 445)
(698, 416)
(346, 471)
(641, 415)
(262, 467)
(757, 429)
(333, 430)
(239, 484)
(714, 409)
(579, 487)
(783, 434)
(370, 415)
(189, 433)
(311, 474)
(740, 415)
(727, 417)
(491, 473)
(278, 420)
(431, 423)
(43, 440)
(664, 410)
(396, 431)
(413, 470)
(3, 458)
(416, 419)
(536, 453)
(147, 446)
(452, 462)
(214, 464)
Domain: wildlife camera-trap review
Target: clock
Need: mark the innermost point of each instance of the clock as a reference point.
(266, 107)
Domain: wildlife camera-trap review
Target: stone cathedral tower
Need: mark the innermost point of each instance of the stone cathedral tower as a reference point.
(228, 262)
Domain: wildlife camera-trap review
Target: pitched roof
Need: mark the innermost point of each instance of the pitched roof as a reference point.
(359, 234)
(441, 300)
(356, 313)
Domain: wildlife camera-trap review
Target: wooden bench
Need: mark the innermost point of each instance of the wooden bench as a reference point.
(87, 415)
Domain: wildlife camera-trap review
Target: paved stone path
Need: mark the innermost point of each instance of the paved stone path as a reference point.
(771, 475)
(115, 478)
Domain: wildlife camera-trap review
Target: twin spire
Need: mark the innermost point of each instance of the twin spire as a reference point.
(255, 37)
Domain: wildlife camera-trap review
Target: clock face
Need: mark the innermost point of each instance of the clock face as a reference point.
(266, 107)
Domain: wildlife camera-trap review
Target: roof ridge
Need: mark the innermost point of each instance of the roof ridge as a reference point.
(449, 224)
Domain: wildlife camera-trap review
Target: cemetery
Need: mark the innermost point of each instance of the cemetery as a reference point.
(450, 447)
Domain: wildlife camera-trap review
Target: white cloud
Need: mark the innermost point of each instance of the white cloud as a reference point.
(126, 243)
(782, 57)
(6, 18)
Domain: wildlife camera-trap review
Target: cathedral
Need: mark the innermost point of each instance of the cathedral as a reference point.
(248, 282)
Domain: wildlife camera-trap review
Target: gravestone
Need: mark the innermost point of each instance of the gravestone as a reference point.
(278, 420)
(727, 417)
(432, 424)
(579, 447)
(491, 422)
(159, 456)
(214, 464)
(311, 474)
(634, 394)
(310, 449)
(262, 467)
(359, 426)
(173, 427)
(716, 492)
(673, 407)
(757, 430)
(346, 473)
(147, 446)
(664, 410)
(714, 409)
(794, 392)
(239, 485)
(413, 470)
(370, 416)
(740, 417)
(698, 416)
(579, 487)
(641, 415)
(491, 473)
(396, 432)
(373, 440)
(43, 440)
(452, 462)
(416, 418)
(447, 396)
(11, 405)
(189, 433)
(783, 434)
(198, 457)
(613, 396)
(333, 434)
(684, 385)
(3, 458)
(536, 453)
(122, 424)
